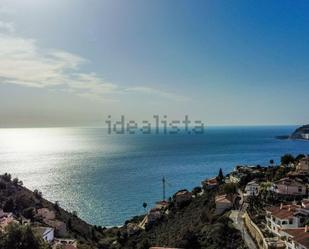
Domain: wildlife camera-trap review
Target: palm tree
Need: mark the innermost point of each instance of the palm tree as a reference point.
(271, 162)
(144, 206)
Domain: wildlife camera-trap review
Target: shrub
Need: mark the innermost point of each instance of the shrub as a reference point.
(20, 237)
(9, 205)
(7, 177)
(29, 213)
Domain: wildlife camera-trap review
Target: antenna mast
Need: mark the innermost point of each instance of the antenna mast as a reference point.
(163, 184)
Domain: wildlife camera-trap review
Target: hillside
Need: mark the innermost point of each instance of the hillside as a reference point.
(23, 203)
(192, 224)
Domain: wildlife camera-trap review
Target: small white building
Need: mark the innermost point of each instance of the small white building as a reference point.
(305, 136)
(59, 226)
(252, 189)
(236, 177)
(46, 233)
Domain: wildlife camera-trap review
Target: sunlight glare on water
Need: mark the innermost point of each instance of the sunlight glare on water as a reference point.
(106, 178)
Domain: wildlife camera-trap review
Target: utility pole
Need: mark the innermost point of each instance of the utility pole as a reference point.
(163, 184)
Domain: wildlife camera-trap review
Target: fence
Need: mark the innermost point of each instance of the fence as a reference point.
(255, 232)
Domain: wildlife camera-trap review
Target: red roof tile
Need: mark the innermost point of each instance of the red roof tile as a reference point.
(285, 212)
(299, 235)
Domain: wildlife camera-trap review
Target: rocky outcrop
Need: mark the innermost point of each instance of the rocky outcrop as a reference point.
(301, 133)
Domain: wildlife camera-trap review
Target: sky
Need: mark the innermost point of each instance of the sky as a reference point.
(74, 62)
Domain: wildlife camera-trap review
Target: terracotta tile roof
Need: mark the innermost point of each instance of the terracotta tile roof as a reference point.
(182, 192)
(162, 202)
(289, 182)
(222, 199)
(285, 212)
(212, 181)
(299, 235)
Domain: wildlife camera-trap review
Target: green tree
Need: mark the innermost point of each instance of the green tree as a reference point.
(299, 157)
(29, 213)
(37, 194)
(196, 190)
(287, 159)
(70, 223)
(220, 175)
(20, 237)
(9, 205)
(7, 177)
(230, 188)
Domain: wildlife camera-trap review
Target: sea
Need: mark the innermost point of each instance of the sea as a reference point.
(106, 178)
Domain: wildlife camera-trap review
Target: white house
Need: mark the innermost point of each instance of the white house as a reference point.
(287, 186)
(278, 218)
(251, 189)
(46, 233)
(285, 217)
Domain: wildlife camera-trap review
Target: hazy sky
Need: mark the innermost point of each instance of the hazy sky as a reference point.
(73, 62)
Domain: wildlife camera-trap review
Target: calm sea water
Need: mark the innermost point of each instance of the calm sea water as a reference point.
(106, 178)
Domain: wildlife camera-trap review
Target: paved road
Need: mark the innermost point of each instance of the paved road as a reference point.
(236, 216)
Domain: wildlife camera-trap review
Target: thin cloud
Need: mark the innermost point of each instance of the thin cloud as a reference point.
(154, 92)
(24, 63)
(7, 27)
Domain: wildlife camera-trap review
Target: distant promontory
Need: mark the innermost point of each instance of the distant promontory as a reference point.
(300, 133)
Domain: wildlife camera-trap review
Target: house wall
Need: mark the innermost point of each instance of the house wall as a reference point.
(252, 189)
(222, 206)
(290, 190)
(49, 235)
(275, 225)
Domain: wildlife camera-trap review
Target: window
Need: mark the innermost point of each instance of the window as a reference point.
(300, 189)
(290, 221)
